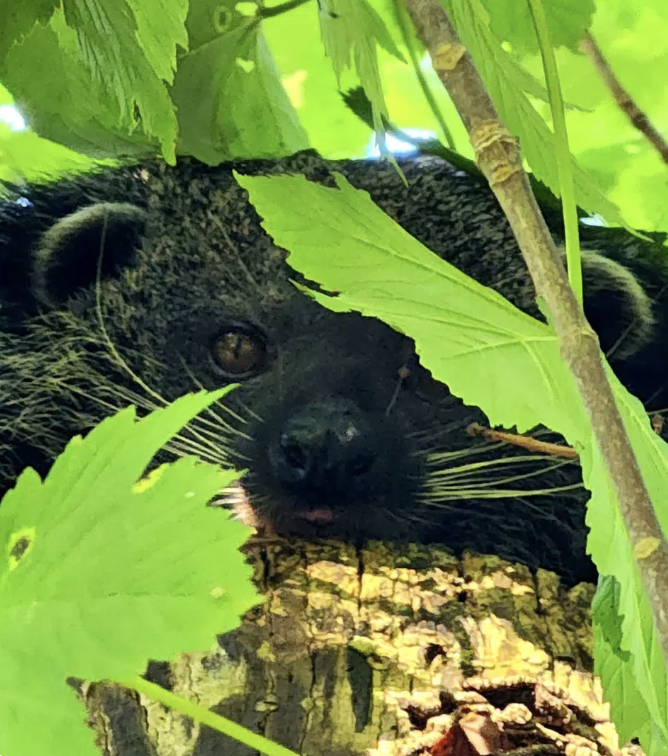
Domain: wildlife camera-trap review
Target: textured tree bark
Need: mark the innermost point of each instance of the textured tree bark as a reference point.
(382, 650)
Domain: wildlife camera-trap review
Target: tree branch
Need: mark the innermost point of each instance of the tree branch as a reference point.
(498, 155)
(277, 10)
(525, 442)
(626, 103)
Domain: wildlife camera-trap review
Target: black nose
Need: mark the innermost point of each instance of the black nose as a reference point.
(324, 447)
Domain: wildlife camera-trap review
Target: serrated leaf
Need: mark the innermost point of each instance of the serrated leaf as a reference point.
(100, 574)
(478, 344)
(323, 228)
(506, 87)
(308, 76)
(605, 614)
(567, 20)
(60, 100)
(611, 549)
(627, 706)
(228, 93)
(19, 18)
(65, 103)
(351, 31)
(528, 83)
(615, 667)
(110, 48)
(160, 28)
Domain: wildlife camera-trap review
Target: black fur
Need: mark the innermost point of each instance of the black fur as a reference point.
(340, 426)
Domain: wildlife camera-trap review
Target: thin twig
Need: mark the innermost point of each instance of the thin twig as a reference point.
(271, 11)
(626, 103)
(498, 155)
(525, 442)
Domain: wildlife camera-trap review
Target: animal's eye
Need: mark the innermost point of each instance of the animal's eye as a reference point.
(239, 352)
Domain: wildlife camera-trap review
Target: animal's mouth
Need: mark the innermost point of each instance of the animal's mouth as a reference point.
(319, 515)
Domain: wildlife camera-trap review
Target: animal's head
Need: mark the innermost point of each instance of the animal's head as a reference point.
(152, 284)
(178, 289)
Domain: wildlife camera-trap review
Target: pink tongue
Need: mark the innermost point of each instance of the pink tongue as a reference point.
(318, 515)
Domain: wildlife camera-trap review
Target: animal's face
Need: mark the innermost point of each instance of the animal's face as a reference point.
(172, 286)
(333, 416)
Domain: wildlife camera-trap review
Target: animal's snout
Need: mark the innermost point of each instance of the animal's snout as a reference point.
(323, 446)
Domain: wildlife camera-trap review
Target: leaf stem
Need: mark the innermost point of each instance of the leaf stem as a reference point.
(564, 159)
(200, 714)
(277, 10)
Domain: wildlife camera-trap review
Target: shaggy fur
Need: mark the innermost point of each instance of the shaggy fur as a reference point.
(118, 287)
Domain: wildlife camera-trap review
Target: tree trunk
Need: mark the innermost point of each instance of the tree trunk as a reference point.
(384, 650)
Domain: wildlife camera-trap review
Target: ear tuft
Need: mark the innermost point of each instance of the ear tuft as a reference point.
(617, 306)
(101, 238)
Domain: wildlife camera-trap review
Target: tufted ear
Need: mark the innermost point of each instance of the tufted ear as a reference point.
(100, 238)
(616, 305)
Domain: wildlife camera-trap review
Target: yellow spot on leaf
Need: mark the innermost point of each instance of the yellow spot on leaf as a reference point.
(246, 9)
(294, 86)
(245, 65)
(20, 544)
(143, 484)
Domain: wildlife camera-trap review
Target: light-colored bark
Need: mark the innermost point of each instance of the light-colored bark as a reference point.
(380, 651)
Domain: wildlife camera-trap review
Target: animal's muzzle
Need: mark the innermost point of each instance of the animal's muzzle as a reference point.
(323, 447)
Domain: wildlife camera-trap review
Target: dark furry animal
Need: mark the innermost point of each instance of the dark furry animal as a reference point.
(139, 284)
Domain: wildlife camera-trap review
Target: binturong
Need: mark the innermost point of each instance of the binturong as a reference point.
(137, 284)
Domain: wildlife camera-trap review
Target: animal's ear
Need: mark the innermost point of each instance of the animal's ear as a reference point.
(100, 239)
(616, 305)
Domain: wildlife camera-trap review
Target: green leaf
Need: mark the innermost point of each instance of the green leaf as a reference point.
(605, 614)
(101, 572)
(351, 30)
(632, 38)
(60, 99)
(568, 20)
(615, 668)
(19, 18)
(92, 79)
(506, 87)
(529, 84)
(325, 229)
(39, 713)
(228, 93)
(160, 27)
(24, 156)
(111, 48)
(309, 78)
(479, 345)
(611, 549)
(641, 186)
(113, 100)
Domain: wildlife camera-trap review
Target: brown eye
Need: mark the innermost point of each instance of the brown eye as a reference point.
(239, 353)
